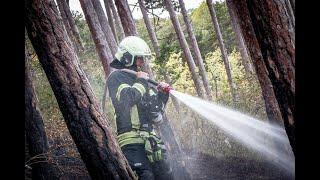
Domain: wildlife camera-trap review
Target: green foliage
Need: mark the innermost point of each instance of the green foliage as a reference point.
(204, 30)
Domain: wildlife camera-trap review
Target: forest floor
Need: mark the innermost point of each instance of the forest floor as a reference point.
(205, 167)
(200, 166)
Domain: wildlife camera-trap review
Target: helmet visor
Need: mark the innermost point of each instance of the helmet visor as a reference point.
(143, 58)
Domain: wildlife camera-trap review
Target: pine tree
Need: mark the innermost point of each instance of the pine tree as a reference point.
(98, 36)
(195, 48)
(88, 127)
(224, 54)
(185, 47)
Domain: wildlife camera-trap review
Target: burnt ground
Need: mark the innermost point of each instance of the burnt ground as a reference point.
(200, 167)
(205, 167)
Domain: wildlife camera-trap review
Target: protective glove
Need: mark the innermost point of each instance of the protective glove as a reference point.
(164, 87)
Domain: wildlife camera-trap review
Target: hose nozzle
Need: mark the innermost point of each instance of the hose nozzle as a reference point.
(167, 89)
(164, 89)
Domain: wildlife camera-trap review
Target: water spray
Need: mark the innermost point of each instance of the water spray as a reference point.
(247, 130)
(251, 132)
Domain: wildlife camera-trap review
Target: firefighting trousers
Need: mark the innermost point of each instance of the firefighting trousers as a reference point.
(138, 161)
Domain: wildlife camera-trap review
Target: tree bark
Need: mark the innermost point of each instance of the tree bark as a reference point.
(196, 50)
(126, 18)
(246, 61)
(291, 19)
(223, 50)
(72, 24)
(264, 25)
(110, 19)
(293, 5)
(88, 127)
(105, 26)
(99, 38)
(117, 20)
(67, 25)
(35, 133)
(185, 47)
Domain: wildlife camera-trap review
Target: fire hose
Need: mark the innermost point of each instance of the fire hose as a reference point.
(166, 89)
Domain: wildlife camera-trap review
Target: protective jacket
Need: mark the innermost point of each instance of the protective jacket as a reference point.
(137, 104)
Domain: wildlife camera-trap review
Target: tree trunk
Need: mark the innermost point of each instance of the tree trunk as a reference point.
(98, 35)
(216, 87)
(126, 18)
(223, 50)
(150, 28)
(151, 33)
(105, 26)
(67, 25)
(291, 19)
(117, 20)
(72, 24)
(185, 47)
(88, 127)
(270, 45)
(110, 19)
(35, 133)
(246, 61)
(293, 5)
(196, 50)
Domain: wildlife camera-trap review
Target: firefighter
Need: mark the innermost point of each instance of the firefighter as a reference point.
(138, 107)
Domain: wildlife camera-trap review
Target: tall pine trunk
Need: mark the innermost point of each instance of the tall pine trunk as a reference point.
(289, 12)
(273, 53)
(88, 127)
(223, 50)
(73, 25)
(196, 50)
(246, 61)
(150, 28)
(105, 26)
(110, 19)
(126, 18)
(185, 47)
(98, 36)
(293, 5)
(117, 20)
(67, 25)
(35, 133)
(151, 32)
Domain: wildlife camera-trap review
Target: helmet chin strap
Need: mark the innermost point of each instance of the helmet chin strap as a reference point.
(134, 66)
